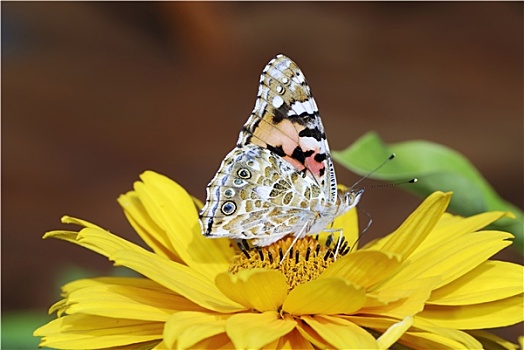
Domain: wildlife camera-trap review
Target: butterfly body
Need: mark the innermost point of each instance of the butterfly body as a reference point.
(280, 178)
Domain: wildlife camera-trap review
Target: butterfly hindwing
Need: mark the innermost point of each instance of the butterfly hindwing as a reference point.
(251, 186)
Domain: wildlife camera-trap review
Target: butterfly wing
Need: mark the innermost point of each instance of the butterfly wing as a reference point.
(280, 178)
(286, 121)
(256, 195)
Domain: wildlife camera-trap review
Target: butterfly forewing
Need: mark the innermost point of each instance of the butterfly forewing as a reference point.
(286, 121)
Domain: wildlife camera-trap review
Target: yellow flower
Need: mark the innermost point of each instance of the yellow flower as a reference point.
(426, 285)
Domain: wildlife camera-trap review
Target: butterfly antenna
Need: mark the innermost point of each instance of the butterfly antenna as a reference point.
(391, 157)
(412, 181)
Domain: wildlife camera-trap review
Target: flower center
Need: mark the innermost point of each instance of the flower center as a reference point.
(304, 262)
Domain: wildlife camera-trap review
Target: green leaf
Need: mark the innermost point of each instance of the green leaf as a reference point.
(437, 168)
(18, 328)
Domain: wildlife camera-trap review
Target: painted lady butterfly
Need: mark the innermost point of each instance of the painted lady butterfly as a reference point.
(279, 179)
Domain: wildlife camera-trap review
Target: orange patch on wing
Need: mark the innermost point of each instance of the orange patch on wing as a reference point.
(314, 166)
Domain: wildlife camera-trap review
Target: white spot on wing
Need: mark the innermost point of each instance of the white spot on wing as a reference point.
(309, 107)
(277, 101)
(298, 107)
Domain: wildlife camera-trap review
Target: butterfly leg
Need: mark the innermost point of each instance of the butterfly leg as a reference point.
(300, 234)
(339, 241)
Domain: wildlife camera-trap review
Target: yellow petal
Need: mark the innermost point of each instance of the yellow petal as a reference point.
(160, 346)
(216, 342)
(394, 332)
(451, 259)
(379, 323)
(311, 336)
(146, 227)
(95, 239)
(401, 300)
(76, 221)
(173, 210)
(348, 223)
(490, 281)
(330, 295)
(416, 227)
(187, 328)
(292, 340)
(364, 268)
(255, 330)
(179, 278)
(341, 333)
(176, 277)
(436, 340)
(78, 332)
(498, 313)
(491, 341)
(451, 227)
(458, 338)
(129, 298)
(259, 289)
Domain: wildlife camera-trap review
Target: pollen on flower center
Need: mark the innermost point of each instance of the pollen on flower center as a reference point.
(306, 260)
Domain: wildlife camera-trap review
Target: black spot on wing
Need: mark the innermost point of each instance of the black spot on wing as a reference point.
(320, 157)
(277, 150)
(315, 133)
(302, 119)
(300, 155)
(279, 114)
(209, 227)
(308, 153)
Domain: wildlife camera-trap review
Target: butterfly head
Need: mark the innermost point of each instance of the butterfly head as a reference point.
(348, 199)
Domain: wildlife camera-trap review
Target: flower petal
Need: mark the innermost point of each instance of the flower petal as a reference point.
(330, 295)
(490, 281)
(78, 332)
(341, 333)
(146, 227)
(174, 276)
(401, 300)
(173, 209)
(450, 227)
(379, 323)
(364, 267)
(414, 230)
(427, 332)
(348, 223)
(498, 313)
(95, 239)
(259, 289)
(491, 341)
(292, 340)
(185, 329)
(179, 278)
(311, 336)
(216, 342)
(451, 259)
(254, 330)
(394, 332)
(128, 298)
(439, 338)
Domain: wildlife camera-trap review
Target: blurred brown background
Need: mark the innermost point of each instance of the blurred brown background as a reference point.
(95, 93)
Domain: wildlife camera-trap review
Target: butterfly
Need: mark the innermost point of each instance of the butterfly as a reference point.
(279, 180)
